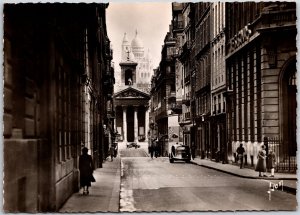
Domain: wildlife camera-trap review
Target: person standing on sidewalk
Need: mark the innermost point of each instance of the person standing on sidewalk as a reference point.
(86, 168)
(261, 162)
(193, 150)
(271, 162)
(240, 153)
(112, 151)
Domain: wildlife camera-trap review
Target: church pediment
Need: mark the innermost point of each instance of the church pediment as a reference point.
(131, 93)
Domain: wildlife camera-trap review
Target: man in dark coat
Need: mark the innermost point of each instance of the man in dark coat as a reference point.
(240, 153)
(86, 168)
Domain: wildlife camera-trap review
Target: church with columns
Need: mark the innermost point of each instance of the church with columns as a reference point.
(131, 98)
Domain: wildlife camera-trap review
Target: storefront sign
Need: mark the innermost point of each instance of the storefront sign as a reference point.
(239, 39)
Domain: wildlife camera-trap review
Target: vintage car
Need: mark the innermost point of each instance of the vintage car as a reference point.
(179, 152)
(133, 145)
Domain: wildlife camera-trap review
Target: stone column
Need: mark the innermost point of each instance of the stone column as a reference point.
(146, 123)
(124, 124)
(136, 124)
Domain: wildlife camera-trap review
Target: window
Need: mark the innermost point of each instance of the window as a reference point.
(128, 77)
(219, 103)
(63, 114)
(215, 104)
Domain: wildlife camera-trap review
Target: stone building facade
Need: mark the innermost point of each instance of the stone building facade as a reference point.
(163, 96)
(218, 80)
(239, 85)
(261, 77)
(203, 133)
(131, 98)
(57, 82)
(131, 106)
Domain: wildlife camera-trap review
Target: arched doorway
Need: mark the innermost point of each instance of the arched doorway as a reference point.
(288, 115)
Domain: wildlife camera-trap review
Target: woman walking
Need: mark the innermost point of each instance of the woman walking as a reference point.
(271, 161)
(261, 162)
(86, 168)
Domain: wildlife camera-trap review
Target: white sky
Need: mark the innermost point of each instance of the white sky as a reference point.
(151, 20)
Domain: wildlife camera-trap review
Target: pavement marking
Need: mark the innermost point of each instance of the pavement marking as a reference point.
(126, 200)
(122, 168)
(126, 196)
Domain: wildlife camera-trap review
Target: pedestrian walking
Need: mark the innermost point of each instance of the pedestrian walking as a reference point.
(115, 150)
(112, 151)
(153, 148)
(261, 162)
(193, 150)
(271, 162)
(240, 153)
(86, 168)
(151, 151)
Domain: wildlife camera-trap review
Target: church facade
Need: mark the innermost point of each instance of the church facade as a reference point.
(131, 98)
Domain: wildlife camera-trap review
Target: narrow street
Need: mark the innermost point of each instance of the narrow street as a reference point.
(90, 89)
(134, 182)
(156, 185)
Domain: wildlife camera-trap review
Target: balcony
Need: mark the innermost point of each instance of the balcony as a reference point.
(111, 114)
(275, 19)
(176, 108)
(186, 101)
(185, 50)
(172, 94)
(178, 25)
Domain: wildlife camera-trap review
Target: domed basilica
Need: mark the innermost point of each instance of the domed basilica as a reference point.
(131, 98)
(135, 52)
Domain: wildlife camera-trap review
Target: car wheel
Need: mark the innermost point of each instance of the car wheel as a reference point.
(188, 161)
(171, 160)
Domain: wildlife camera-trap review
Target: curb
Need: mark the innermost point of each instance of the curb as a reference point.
(285, 188)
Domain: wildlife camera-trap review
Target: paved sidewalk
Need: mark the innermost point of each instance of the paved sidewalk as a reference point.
(289, 180)
(104, 193)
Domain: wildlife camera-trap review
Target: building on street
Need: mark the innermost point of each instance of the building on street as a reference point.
(131, 98)
(218, 81)
(235, 82)
(163, 97)
(185, 55)
(261, 79)
(58, 82)
(202, 89)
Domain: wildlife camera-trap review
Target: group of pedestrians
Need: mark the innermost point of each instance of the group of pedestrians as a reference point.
(264, 161)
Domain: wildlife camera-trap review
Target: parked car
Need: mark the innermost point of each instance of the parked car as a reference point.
(133, 145)
(179, 152)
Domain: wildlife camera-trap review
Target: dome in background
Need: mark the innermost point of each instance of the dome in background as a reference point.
(137, 42)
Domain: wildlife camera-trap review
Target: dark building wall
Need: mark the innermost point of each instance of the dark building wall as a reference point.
(43, 110)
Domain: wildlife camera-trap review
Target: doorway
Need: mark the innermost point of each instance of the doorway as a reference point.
(288, 111)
